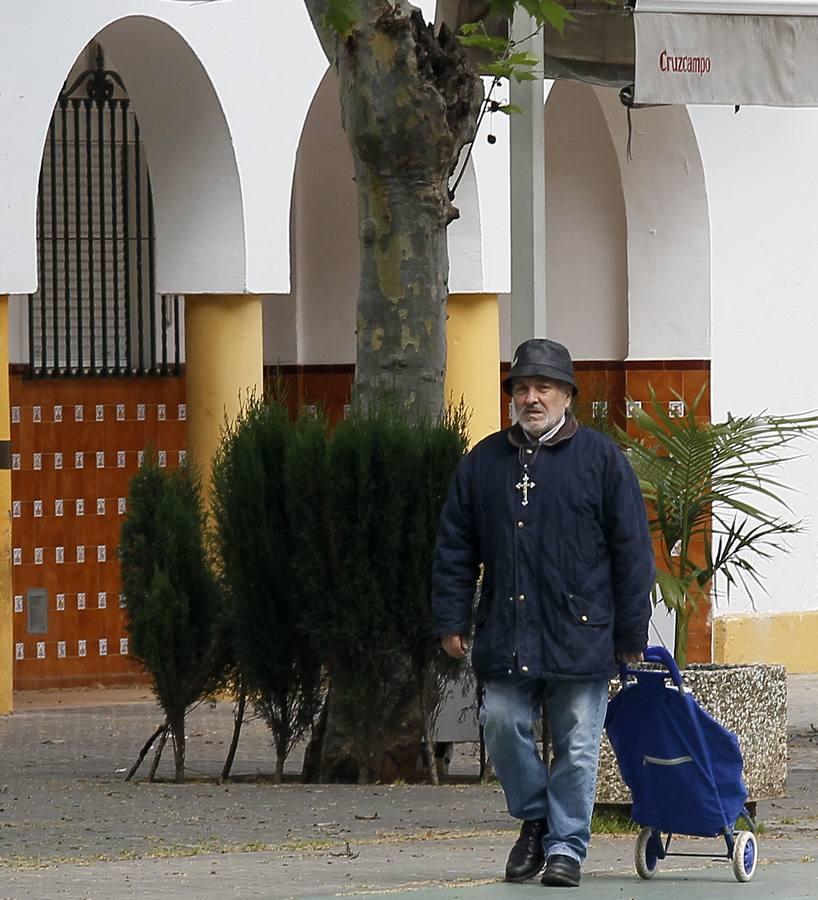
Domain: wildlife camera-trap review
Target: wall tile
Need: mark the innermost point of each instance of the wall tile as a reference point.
(70, 624)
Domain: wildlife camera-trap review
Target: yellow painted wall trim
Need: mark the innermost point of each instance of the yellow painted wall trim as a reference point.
(6, 619)
(473, 360)
(787, 639)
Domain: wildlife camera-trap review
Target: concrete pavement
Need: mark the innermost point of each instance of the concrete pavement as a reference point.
(71, 827)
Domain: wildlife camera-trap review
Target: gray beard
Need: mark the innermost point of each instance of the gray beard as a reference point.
(537, 432)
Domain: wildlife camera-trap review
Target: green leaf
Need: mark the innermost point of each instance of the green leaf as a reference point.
(499, 70)
(509, 108)
(555, 14)
(495, 45)
(522, 58)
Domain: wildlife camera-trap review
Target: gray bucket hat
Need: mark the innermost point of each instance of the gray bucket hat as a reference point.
(540, 356)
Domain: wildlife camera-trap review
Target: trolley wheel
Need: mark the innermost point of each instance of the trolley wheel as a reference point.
(646, 856)
(745, 855)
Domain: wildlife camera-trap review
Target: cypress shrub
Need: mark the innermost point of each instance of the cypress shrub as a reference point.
(440, 447)
(386, 483)
(172, 601)
(267, 479)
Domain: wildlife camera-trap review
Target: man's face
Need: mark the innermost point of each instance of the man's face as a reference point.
(539, 402)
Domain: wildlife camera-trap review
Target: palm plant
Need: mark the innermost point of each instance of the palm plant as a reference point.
(701, 481)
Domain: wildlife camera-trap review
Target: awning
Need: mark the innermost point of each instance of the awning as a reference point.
(745, 52)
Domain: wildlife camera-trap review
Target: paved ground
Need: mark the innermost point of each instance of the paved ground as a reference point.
(71, 827)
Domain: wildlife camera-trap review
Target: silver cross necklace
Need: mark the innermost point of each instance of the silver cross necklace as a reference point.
(525, 484)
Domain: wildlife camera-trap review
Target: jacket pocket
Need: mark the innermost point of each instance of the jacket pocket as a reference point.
(585, 613)
(587, 636)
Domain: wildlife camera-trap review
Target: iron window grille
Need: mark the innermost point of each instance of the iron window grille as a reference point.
(96, 310)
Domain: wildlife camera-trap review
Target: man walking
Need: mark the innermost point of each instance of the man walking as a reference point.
(553, 513)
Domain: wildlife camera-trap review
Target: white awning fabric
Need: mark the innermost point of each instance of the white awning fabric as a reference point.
(745, 52)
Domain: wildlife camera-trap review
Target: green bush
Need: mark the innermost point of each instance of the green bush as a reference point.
(173, 603)
(387, 478)
(268, 517)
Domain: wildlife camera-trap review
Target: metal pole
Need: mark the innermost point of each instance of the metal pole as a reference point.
(117, 300)
(75, 104)
(527, 193)
(103, 240)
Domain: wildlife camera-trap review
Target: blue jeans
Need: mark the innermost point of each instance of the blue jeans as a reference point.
(565, 795)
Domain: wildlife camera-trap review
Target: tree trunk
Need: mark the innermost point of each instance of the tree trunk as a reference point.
(311, 768)
(238, 721)
(157, 756)
(281, 757)
(178, 734)
(429, 752)
(145, 749)
(681, 629)
(427, 690)
(409, 103)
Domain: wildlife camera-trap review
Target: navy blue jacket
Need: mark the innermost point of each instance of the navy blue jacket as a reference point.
(566, 578)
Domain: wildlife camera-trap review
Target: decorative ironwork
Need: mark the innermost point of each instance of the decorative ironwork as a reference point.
(95, 311)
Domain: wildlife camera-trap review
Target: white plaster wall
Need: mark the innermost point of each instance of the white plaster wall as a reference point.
(464, 238)
(585, 235)
(200, 246)
(491, 174)
(763, 194)
(668, 231)
(325, 253)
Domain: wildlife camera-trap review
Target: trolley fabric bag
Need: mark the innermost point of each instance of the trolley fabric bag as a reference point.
(683, 768)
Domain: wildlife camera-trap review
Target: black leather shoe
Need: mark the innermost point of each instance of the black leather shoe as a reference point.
(561, 871)
(527, 855)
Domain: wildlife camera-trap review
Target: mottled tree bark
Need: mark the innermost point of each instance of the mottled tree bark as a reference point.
(409, 103)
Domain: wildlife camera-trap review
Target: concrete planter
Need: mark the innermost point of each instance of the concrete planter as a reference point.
(750, 701)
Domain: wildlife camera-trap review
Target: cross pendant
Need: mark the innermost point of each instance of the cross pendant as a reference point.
(524, 485)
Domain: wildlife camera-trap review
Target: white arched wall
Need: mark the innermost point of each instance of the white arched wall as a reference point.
(668, 231)
(314, 324)
(465, 238)
(586, 240)
(263, 77)
(763, 194)
(200, 241)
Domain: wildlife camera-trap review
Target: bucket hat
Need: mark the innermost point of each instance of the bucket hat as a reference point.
(541, 356)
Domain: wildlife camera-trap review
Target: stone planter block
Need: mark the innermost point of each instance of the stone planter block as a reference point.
(750, 701)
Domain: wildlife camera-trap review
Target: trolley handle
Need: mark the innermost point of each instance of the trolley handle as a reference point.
(659, 655)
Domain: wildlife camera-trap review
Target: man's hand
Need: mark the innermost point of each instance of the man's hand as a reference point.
(629, 659)
(455, 645)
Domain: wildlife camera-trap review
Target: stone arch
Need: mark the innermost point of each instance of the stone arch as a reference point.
(324, 256)
(668, 230)
(200, 238)
(586, 233)
(315, 322)
(248, 78)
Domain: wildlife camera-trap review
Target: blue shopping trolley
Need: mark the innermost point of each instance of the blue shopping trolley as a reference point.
(683, 768)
